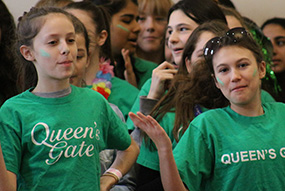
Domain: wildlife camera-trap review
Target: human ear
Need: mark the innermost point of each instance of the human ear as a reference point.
(188, 65)
(27, 53)
(102, 37)
(262, 69)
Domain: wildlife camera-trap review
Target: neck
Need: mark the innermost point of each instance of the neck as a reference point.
(250, 109)
(153, 56)
(47, 86)
(92, 69)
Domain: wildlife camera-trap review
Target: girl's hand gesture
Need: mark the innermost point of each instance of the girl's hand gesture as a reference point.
(129, 72)
(160, 76)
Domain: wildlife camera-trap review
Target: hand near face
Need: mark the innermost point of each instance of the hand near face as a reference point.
(129, 72)
(161, 76)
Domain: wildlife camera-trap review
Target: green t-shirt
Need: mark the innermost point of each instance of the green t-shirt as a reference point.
(143, 70)
(54, 143)
(222, 150)
(123, 95)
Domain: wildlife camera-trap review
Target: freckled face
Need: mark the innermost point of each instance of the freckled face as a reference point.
(54, 48)
(238, 76)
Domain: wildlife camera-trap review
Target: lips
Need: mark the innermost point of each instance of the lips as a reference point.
(150, 38)
(66, 62)
(238, 88)
(177, 50)
(133, 41)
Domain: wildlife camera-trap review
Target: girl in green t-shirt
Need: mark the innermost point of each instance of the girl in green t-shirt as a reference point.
(53, 132)
(225, 149)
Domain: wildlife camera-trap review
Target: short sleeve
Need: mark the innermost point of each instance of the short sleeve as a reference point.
(193, 158)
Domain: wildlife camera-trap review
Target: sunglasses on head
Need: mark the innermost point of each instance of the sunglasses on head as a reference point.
(233, 35)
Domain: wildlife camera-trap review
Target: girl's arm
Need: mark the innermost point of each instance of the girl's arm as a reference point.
(168, 171)
(7, 178)
(123, 162)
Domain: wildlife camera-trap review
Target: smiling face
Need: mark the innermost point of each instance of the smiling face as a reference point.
(54, 49)
(179, 28)
(276, 34)
(238, 76)
(125, 29)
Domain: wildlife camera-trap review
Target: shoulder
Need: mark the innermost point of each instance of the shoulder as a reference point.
(122, 84)
(274, 107)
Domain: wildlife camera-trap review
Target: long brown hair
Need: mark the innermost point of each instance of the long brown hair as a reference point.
(190, 89)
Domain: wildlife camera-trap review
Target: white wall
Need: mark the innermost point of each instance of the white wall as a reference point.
(257, 10)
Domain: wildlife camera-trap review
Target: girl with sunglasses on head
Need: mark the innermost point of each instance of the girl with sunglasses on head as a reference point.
(178, 107)
(239, 147)
(53, 132)
(183, 18)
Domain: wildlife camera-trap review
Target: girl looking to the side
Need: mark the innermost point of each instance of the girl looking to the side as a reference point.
(225, 149)
(124, 34)
(55, 127)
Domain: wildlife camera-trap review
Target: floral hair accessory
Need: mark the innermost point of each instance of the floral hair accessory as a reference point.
(102, 82)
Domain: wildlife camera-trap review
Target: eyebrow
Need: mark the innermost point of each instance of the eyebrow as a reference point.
(279, 37)
(128, 15)
(179, 25)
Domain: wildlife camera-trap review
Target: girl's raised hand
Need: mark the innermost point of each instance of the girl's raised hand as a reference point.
(160, 76)
(129, 72)
(152, 128)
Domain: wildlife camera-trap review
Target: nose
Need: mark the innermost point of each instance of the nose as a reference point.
(64, 49)
(136, 27)
(235, 75)
(149, 24)
(173, 38)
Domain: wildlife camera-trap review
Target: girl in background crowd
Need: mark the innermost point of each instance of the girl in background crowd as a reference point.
(153, 22)
(38, 139)
(221, 147)
(8, 68)
(178, 107)
(99, 73)
(274, 29)
(124, 33)
(183, 18)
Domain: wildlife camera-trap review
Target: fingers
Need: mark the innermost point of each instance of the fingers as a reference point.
(127, 59)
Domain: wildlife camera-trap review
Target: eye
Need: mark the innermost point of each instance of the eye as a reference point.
(71, 40)
(52, 42)
(169, 31)
(223, 70)
(280, 42)
(141, 19)
(160, 19)
(243, 65)
(183, 29)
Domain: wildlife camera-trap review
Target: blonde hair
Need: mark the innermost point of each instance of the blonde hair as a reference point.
(155, 7)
